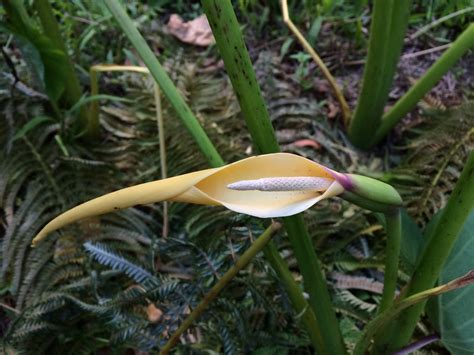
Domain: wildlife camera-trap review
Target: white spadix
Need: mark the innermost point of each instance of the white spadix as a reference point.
(286, 183)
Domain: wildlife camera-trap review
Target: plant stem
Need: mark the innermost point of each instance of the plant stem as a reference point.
(408, 101)
(73, 87)
(346, 111)
(237, 62)
(242, 262)
(392, 254)
(432, 259)
(315, 285)
(365, 203)
(387, 31)
(165, 83)
(300, 305)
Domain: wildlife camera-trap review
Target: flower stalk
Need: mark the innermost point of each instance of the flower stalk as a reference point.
(392, 254)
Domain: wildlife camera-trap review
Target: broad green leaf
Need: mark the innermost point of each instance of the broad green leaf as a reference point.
(456, 308)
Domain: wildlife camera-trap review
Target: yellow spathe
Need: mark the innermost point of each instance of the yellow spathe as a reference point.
(209, 187)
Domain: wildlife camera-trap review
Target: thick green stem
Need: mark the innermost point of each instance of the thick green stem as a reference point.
(232, 48)
(165, 83)
(392, 253)
(449, 58)
(231, 45)
(242, 262)
(200, 136)
(389, 23)
(431, 262)
(73, 90)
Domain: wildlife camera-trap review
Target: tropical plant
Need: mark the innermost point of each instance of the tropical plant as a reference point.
(145, 277)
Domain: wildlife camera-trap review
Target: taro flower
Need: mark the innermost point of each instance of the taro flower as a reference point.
(272, 185)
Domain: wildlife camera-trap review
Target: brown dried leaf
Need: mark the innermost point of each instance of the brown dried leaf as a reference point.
(302, 143)
(197, 31)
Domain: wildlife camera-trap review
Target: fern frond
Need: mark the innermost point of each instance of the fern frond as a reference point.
(348, 297)
(434, 160)
(229, 343)
(344, 281)
(29, 328)
(109, 258)
(37, 262)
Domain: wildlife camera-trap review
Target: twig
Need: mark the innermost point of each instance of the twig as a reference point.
(243, 261)
(346, 112)
(9, 308)
(426, 51)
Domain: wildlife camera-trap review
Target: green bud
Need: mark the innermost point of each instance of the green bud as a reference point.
(374, 190)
